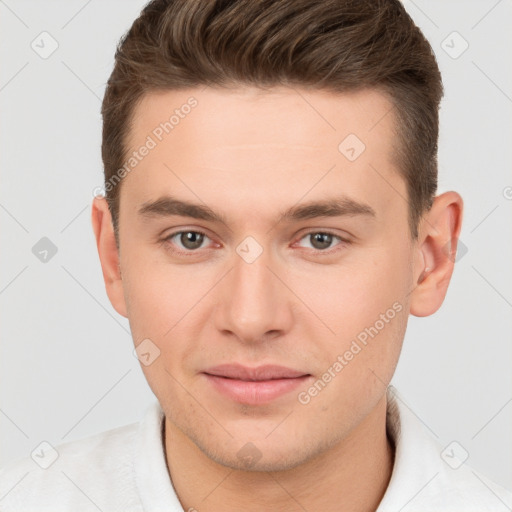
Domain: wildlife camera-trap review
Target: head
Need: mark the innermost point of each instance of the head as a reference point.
(270, 179)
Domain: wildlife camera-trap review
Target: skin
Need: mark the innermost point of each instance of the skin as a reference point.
(249, 156)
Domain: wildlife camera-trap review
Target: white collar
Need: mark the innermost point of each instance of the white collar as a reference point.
(429, 477)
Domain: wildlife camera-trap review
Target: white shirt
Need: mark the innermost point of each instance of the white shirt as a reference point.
(124, 470)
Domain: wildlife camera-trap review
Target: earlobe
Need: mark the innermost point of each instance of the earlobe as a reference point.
(108, 254)
(435, 255)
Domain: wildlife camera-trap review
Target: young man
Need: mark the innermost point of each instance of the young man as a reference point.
(270, 222)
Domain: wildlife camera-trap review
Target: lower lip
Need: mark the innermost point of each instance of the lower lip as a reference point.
(255, 392)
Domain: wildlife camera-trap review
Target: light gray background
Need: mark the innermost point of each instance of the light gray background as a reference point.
(67, 368)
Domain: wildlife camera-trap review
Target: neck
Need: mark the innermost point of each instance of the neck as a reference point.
(353, 475)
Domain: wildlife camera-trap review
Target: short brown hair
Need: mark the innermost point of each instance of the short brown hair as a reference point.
(332, 45)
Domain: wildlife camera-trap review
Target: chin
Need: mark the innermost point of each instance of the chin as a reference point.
(256, 460)
(261, 454)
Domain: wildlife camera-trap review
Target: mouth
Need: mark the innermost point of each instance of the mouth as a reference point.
(254, 386)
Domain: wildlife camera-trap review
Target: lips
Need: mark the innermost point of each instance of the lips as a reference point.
(254, 386)
(260, 373)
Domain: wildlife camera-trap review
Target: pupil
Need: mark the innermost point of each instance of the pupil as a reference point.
(321, 240)
(191, 239)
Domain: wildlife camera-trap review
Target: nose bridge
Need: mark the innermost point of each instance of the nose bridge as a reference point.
(253, 301)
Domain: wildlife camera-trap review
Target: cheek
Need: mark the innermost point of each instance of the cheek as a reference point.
(162, 310)
(364, 302)
(159, 295)
(359, 361)
(352, 295)
(169, 305)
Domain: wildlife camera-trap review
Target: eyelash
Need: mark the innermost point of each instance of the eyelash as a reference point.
(190, 252)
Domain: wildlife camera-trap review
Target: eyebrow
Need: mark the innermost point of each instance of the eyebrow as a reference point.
(335, 207)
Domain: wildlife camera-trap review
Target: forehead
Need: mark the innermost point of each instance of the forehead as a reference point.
(250, 116)
(247, 147)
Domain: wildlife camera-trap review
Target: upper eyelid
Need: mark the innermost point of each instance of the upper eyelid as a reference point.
(171, 235)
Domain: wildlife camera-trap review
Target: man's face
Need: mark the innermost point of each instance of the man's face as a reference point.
(256, 287)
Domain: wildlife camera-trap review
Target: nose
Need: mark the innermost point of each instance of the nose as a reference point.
(253, 305)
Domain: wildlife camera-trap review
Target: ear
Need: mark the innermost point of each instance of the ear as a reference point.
(436, 248)
(108, 253)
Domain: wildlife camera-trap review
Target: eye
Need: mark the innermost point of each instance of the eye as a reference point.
(187, 240)
(321, 240)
